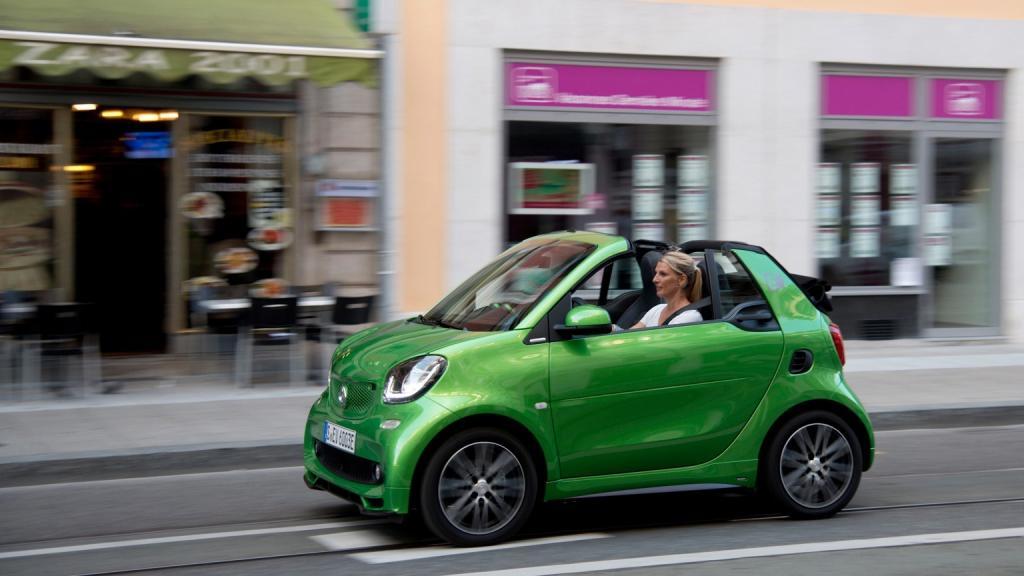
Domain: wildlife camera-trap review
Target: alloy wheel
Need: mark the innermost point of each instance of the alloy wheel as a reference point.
(481, 488)
(816, 465)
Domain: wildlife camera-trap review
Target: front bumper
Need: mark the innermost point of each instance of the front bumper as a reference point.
(397, 451)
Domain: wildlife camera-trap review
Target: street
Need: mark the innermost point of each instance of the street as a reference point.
(938, 501)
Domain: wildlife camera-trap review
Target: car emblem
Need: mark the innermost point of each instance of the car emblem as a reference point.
(343, 395)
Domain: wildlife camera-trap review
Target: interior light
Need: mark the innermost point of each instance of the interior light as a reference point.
(79, 168)
(146, 117)
(83, 107)
(169, 115)
(112, 113)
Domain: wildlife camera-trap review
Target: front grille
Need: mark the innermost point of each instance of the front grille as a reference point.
(348, 466)
(359, 398)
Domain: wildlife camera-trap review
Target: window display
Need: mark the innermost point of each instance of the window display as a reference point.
(27, 194)
(237, 209)
(867, 206)
(650, 181)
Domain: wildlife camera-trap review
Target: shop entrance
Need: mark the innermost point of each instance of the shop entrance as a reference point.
(961, 242)
(119, 182)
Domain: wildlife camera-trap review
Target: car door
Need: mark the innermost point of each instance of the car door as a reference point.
(661, 397)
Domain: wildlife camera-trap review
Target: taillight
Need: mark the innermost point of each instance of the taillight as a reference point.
(837, 340)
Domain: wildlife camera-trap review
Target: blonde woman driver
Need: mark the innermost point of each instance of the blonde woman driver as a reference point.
(677, 281)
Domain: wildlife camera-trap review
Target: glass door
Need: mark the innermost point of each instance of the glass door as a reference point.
(961, 232)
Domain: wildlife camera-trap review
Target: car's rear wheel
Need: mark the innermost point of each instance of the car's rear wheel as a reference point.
(479, 487)
(813, 465)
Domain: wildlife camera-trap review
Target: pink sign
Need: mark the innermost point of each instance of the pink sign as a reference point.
(888, 96)
(966, 99)
(608, 87)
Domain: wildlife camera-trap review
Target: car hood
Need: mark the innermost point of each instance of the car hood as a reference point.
(368, 355)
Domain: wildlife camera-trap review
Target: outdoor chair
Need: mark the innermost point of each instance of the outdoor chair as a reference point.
(59, 332)
(271, 322)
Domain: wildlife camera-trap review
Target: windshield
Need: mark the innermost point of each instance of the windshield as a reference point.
(497, 296)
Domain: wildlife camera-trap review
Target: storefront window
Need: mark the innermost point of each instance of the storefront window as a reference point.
(27, 194)
(237, 209)
(959, 241)
(639, 180)
(867, 208)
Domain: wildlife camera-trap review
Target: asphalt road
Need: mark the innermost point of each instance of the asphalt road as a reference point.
(939, 501)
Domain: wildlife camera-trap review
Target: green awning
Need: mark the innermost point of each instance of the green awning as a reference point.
(272, 41)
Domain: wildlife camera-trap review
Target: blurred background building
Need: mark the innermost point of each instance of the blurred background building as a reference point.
(877, 144)
(151, 148)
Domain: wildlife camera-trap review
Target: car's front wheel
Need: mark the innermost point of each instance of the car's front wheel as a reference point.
(478, 487)
(812, 466)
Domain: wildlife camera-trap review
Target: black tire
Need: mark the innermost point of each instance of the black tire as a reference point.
(476, 508)
(812, 467)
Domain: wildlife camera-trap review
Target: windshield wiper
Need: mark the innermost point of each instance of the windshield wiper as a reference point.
(436, 322)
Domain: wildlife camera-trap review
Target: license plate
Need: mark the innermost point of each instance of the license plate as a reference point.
(340, 437)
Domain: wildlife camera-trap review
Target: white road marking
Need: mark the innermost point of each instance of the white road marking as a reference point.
(186, 538)
(387, 556)
(355, 540)
(761, 552)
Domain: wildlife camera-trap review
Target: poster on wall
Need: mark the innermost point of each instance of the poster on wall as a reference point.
(829, 210)
(647, 204)
(266, 203)
(938, 250)
(938, 234)
(692, 231)
(346, 204)
(828, 243)
(864, 210)
(864, 242)
(692, 171)
(691, 205)
(828, 178)
(864, 177)
(904, 211)
(648, 170)
(906, 272)
(649, 231)
(550, 188)
(902, 179)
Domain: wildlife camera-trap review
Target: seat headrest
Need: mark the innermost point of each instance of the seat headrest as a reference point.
(705, 287)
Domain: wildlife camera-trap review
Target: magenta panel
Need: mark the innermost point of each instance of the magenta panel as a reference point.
(882, 96)
(608, 87)
(966, 99)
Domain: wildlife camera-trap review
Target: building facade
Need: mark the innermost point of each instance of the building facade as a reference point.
(148, 149)
(878, 148)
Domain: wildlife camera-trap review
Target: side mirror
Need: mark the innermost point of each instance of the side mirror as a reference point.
(586, 320)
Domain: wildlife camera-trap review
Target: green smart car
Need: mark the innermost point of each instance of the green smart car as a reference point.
(520, 386)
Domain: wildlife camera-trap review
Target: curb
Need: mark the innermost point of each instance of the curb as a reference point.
(166, 463)
(188, 460)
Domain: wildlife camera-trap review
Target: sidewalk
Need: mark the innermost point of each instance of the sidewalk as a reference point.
(161, 425)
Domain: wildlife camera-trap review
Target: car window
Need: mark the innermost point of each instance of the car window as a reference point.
(735, 285)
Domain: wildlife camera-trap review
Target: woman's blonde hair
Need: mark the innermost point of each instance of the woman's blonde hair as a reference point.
(683, 264)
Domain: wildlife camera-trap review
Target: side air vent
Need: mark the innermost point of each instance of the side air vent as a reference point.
(801, 362)
(884, 329)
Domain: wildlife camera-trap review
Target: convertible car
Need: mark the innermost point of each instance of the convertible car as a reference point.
(520, 387)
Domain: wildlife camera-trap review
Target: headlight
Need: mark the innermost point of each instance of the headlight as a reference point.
(410, 379)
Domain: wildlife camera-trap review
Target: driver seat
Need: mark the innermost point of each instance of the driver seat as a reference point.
(648, 297)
